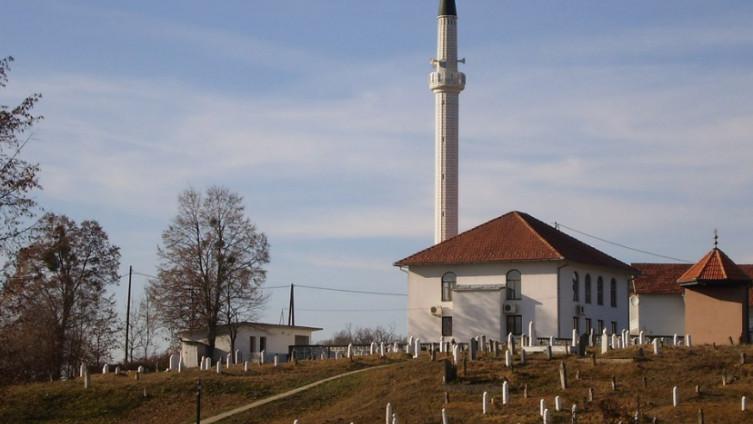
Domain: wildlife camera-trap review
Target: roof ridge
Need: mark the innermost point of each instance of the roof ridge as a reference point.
(455, 236)
(530, 227)
(721, 262)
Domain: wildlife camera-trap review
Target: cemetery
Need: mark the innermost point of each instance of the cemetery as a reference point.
(596, 379)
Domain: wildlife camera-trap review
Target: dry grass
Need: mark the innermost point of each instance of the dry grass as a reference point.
(415, 389)
(170, 396)
(416, 392)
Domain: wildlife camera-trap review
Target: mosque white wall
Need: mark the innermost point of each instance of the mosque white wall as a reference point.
(538, 301)
(593, 311)
(657, 314)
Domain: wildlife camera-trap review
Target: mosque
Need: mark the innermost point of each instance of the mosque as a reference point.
(499, 276)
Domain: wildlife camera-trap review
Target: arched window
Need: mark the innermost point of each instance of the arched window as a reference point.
(613, 293)
(448, 283)
(588, 288)
(600, 290)
(576, 287)
(513, 285)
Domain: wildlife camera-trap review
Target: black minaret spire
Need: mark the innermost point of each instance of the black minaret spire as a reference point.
(447, 8)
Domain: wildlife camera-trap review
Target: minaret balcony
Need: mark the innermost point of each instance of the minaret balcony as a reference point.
(447, 80)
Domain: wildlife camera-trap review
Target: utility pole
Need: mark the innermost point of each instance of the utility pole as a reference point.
(291, 307)
(128, 311)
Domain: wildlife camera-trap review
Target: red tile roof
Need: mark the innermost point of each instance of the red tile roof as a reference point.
(658, 278)
(515, 236)
(717, 267)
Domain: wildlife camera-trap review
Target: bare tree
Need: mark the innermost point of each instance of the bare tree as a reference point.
(144, 327)
(18, 178)
(363, 335)
(57, 287)
(211, 264)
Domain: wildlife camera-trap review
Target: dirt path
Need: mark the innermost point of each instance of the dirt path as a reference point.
(258, 403)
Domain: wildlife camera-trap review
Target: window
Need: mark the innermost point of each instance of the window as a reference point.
(302, 340)
(600, 323)
(576, 287)
(588, 288)
(446, 326)
(252, 344)
(262, 344)
(576, 325)
(613, 293)
(588, 325)
(448, 283)
(515, 324)
(614, 327)
(513, 285)
(600, 291)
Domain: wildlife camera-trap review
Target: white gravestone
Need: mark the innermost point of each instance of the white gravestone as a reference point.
(219, 367)
(675, 340)
(417, 348)
(675, 397)
(388, 413)
(640, 338)
(237, 357)
(604, 342)
(381, 349)
(444, 417)
(276, 360)
(484, 402)
(105, 369)
(688, 341)
(542, 407)
(245, 366)
(545, 416)
(614, 341)
(574, 340)
(531, 333)
(180, 364)
(508, 358)
(505, 393)
(350, 350)
(228, 360)
(557, 404)
(656, 346)
(172, 365)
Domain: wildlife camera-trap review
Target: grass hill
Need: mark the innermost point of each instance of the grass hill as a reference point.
(415, 389)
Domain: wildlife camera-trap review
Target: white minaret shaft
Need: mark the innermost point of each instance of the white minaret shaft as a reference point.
(446, 82)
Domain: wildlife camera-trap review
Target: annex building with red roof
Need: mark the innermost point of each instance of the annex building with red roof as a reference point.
(710, 299)
(497, 277)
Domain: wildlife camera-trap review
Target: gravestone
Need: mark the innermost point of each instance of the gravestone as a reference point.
(276, 360)
(604, 342)
(614, 341)
(105, 369)
(574, 339)
(388, 413)
(505, 393)
(484, 402)
(218, 366)
(473, 349)
(450, 372)
(508, 358)
(245, 366)
(531, 333)
(522, 356)
(582, 345)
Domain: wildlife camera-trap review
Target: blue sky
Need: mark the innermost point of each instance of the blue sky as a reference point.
(629, 120)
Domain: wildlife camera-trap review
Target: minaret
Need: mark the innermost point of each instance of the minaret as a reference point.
(446, 82)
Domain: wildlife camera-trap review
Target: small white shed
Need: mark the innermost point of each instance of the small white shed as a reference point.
(252, 339)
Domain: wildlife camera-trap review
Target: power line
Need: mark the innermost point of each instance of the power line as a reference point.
(352, 291)
(614, 243)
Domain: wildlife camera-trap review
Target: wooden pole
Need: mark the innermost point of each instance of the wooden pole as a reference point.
(128, 312)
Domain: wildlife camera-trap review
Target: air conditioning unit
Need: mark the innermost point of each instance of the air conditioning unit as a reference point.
(580, 310)
(436, 311)
(510, 308)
